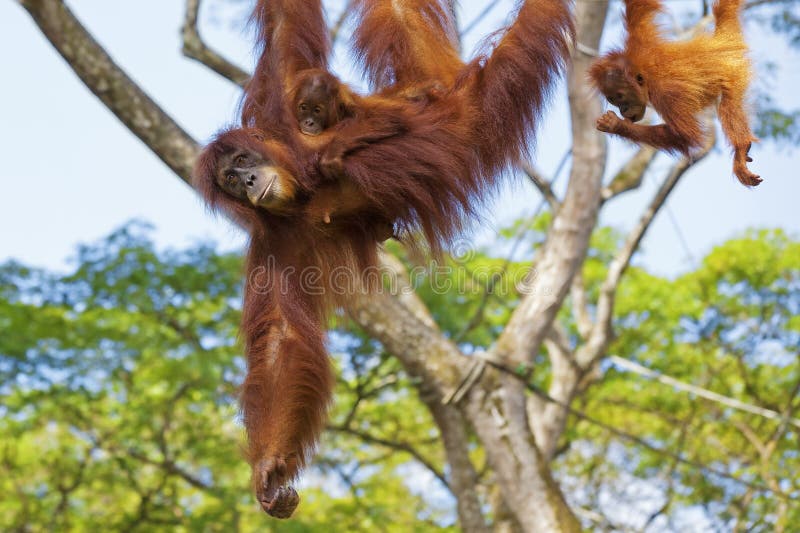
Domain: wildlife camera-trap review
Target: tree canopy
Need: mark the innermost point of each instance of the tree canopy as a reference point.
(119, 387)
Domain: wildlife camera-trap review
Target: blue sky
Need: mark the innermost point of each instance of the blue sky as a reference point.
(72, 172)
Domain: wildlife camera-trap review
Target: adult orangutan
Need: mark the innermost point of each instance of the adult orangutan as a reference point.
(679, 79)
(407, 163)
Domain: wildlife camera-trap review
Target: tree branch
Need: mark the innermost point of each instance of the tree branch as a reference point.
(407, 330)
(424, 352)
(195, 48)
(394, 445)
(639, 441)
(550, 419)
(630, 176)
(568, 240)
(580, 305)
(602, 331)
(171, 468)
(463, 476)
(403, 290)
(113, 87)
(542, 184)
(756, 3)
(703, 393)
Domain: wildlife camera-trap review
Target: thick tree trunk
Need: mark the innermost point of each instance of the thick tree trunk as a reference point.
(498, 408)
(499, 416)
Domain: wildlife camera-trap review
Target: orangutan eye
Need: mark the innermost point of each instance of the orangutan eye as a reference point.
(231, 178)
(241, 160)
(640, 79)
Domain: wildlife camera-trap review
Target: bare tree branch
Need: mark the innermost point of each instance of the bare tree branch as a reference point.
(425, 353)
(113, 87)
(500, 419)
(195, 48)
(396, 445)
(403, 290)
(630, 176)
(558, 337)
(450, 421)
(757, 3)
(542, 184)
(550, 420)
(463, 476)
(703, 393)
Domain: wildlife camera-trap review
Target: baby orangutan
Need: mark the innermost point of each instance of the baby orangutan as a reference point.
(320, 101)
(679, 79)
(335, 121)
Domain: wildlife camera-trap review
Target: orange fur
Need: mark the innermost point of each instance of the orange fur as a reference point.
(291, 257)
(420, 154)
(403, 44)
(680, 79)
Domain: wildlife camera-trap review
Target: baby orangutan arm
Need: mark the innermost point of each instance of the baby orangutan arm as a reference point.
(381, 120)
(336, 121)
(659, 136)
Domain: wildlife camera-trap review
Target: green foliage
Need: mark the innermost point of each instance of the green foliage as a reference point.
(118, 395)
(786, 20)
(119, 384)
(730, 327)
(776, 124)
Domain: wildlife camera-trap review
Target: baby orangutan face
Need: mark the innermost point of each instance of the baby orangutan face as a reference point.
(246, 175)
(629, 99)
(622, 88)
(320, 101)
(313, 111)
